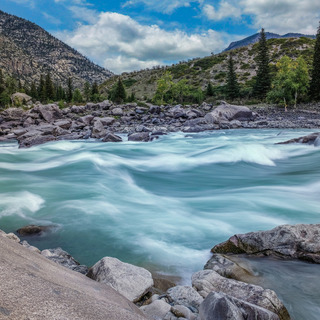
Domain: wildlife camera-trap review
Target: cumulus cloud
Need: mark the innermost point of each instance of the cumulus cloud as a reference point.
(225, 10)
(283, 15)
(120, 43)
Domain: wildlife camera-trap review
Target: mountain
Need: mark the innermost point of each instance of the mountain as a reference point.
(27, 51)
(200, 71)
(255, 38)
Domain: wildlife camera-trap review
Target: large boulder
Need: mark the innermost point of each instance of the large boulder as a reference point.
(139, 136)
(33, 287)
(131, 281)
(312, 139)
(218, 305)
(228, 112)
(157, 309)
(301, 241)
(206, 281)
(12, 114)
(21, 99)
(111, 137)
(32, 230)
(49, 112)
(98, 130)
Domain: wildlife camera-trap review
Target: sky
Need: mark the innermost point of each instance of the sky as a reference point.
(128, 35)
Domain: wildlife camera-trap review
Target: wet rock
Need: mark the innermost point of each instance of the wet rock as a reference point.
(185, 296)
(98, 130)
(157, 309)
(110, 137)
(301, 241)
(27, 142)
(65, 259)
(32, 230)
(309, 139)
(207, 281)
(218, 305)
(139, 136)
(131, 281)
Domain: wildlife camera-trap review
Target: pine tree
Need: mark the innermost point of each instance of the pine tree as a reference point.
(232, 87)
(69, 90)
(49, 87)
(77, 96)
(2, 86)
(209, 91)
(315, 78)
(119, 92)
(87, 91)
(263, 80)
(42, 94)
(33, 91)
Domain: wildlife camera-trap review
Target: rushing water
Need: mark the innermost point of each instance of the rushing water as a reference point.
(161, 205)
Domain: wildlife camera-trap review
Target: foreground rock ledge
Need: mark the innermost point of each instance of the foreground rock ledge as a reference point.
(301, 241)
(32, 287)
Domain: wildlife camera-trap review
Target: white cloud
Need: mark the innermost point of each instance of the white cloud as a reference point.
(225, 10)
(84, 14)
(122, 44)
(165, 6)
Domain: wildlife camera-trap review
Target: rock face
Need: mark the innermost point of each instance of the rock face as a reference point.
(218, 305)
(206, 281)
(33, 287)
(65, 259)
(130, 281)
(289, 241)
(312, 138)
(228, 112)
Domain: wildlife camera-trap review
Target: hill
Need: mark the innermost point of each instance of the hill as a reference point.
(27, 51)
(200, 71)
(255, 38)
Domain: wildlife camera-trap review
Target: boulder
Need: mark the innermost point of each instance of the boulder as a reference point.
(206, 281)
(108, 121)
(117, 111)
(157, 309)
(131, 281)
(27, 142)
(229, 269)
(154, 109)
(25, 244)
(301, 241)
(12, 114)
(110, 137)
(228, 112)
(32, 230)
(33, 287)
(65, 259)
(87, 120)
(185, 296)
(139, 136)
(218, 305)
(98, 130)
(49, 112)
(312, 139)
(21, 99)
(183, 312)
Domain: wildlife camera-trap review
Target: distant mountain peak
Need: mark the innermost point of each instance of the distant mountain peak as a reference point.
(27, 51)
(269, 35)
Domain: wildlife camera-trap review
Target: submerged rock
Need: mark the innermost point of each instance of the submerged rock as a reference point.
(299, 241)
(33, 230)
(312, 138)
(139, 136)
(110, 137)
(131, 281)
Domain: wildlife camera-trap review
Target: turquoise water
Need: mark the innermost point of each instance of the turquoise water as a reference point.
(163, 204)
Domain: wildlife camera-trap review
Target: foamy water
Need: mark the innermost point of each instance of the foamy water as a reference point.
(163, 204)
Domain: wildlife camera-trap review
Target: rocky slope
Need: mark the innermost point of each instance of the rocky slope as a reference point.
(200, 71)
(27, 51)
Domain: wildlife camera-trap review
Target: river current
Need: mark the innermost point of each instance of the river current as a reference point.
(162, 205)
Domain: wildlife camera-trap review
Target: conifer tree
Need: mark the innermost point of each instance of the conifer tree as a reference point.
(33, 91)
(69, 90)
(42, 95)
(2, 86)
(232, 88)
(315, 78)
(77, 96)
(87, 91)
(209, 91)
(49, 87)
(263, 80)
(119, 92)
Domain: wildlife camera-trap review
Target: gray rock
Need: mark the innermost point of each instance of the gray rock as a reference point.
(98, 130)
(110, 137)
(27, 142)
(185, 296)
(183, 312)
(117, 111)
(87, 120)
(309, 139)
(25, 244)
(228, 112)
(64, 124)
(49, 112)
(139, 136)
(32, 230)
(156, 310)
(208, 280)
(108, 121)
(131, 281)
(218, 305)
(10, 236)
(301, 241)
(21, 99)
(12, 114)
(154, 109)
(65, 259)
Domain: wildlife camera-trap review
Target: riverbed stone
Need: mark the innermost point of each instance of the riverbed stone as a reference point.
(98, 130)
(301, 241)
(157, 309)
(111, 137)
(206, 281)
(309, 139)
(185, 296)
(218, 305)
(139, 136)
(131, 281)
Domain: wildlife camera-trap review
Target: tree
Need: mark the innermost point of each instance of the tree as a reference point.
(210, 90)
(315, 78)
(164, 84)
(232, 86)
(180, 91)
(42, 93)
(77, 96)
(263, 79)
(87, 91)
(2, 85)
(49, 87)
(33, 91)
(69, 90)
(290, 82)
(118, 93)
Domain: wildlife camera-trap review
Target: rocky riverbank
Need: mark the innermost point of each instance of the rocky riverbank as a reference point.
(225, 289)
(103, 121)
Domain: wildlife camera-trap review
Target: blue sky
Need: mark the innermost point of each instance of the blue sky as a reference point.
(130, 35)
